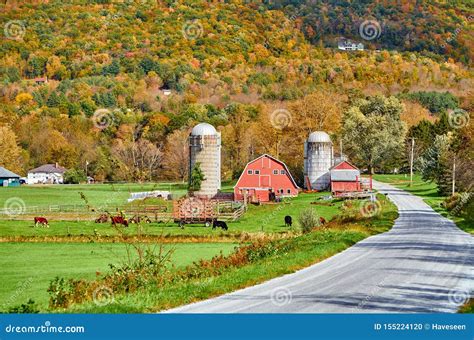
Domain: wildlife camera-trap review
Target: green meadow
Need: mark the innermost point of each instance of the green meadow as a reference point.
(27, 268)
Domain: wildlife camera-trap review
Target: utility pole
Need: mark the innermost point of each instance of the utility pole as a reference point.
(411, 160)
(454, 176)
(340, 148)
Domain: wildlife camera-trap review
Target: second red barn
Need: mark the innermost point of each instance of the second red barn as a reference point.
(264, 179)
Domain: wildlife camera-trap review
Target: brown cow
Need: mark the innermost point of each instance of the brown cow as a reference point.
(118, 220)
(102, 218)
(42, 221)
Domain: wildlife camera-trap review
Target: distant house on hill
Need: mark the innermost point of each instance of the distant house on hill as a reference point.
(264, 179)
(41, 80)
(47, 174)
(348, 45)
(8, 178)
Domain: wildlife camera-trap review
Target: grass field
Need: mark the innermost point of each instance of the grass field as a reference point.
(27, 268)
(266, 218)
(427, 191)
(96, 194)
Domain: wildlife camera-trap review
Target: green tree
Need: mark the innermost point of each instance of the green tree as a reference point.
(196, 178)
(436, 164)
(75, 176)
(373, 132)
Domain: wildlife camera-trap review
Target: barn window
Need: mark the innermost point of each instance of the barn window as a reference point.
(288, 191)
(257, 172)
(281, 191)
(282, 172)
(250, 172)
(275, 172)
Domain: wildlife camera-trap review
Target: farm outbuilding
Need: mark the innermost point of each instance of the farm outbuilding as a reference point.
(8, 178)
(346, 179)
(263, 179)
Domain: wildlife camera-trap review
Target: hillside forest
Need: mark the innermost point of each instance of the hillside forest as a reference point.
(114, 87)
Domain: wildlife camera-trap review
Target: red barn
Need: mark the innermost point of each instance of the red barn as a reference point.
(345, 178)
(264, 178)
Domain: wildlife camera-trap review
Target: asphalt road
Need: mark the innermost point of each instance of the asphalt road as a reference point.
(424, 264)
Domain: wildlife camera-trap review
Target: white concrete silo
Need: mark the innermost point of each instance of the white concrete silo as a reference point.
(318, 159)
(205, 149)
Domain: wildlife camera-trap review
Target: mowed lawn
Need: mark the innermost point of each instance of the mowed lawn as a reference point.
(267, 218)
(27, 268)
(429, 192)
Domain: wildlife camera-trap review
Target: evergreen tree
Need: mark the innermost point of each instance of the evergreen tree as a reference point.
(196, 178)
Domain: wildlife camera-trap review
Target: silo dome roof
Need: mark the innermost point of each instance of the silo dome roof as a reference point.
(319, 137)
(203, 129)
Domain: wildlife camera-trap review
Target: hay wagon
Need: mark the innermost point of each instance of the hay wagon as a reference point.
(193, 210)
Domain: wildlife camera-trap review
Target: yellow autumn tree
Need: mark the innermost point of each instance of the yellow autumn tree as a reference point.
(10, 152)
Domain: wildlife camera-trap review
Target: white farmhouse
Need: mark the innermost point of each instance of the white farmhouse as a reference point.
(348, 45)
(47, 174)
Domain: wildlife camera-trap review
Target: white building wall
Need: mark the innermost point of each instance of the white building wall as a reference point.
(45, 178)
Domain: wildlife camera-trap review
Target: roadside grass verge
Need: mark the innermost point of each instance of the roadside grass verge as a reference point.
(248, 265)
(428, 192)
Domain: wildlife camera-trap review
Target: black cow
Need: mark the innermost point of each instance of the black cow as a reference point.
(219, 224)
(288, 221)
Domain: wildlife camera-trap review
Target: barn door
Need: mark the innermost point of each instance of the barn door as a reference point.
(264, 180)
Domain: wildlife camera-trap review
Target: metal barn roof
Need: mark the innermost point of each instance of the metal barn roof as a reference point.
(345, 175)
(5, 173)
(319, 137)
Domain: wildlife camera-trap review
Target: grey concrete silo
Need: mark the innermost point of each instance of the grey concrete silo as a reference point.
(318, 159)
(205, 149)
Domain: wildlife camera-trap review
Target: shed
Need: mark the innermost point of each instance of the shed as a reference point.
(345, 178)
(263, 179)
(8, 178)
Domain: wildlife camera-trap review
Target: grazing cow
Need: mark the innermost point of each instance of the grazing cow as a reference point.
(102, 218)
(219, 224)
(322, 220)
(288, 221)
(42, 221)
(119, 220)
